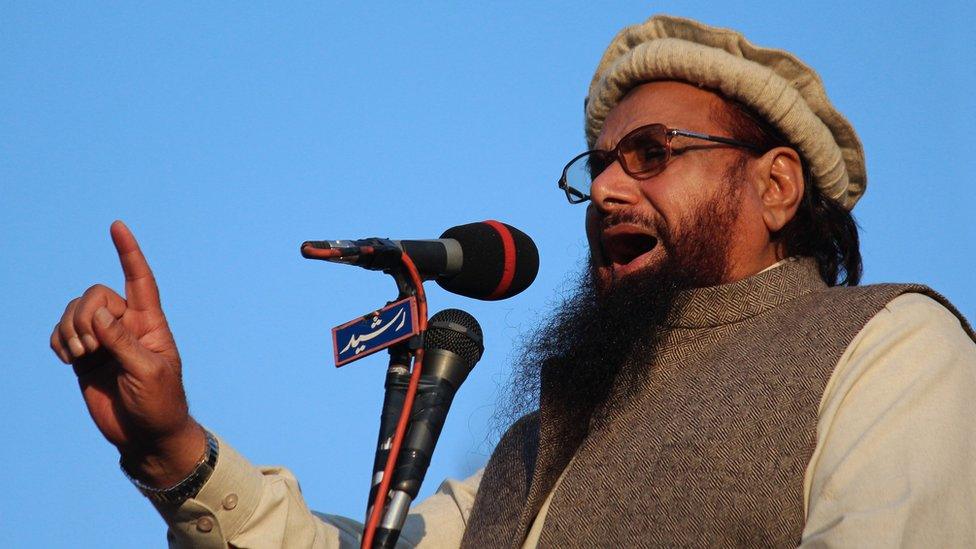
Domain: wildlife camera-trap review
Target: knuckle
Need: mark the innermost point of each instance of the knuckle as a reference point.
(93, 298)
(71, 305)
(66, 328)
(68, 316)
(57, 347)
(158, 375)
(95, 289)
(83, 314)
(161, 375)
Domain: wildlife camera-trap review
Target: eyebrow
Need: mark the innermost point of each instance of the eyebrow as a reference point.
(624, 134)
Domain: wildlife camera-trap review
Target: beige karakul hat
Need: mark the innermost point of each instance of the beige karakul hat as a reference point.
(779, 87)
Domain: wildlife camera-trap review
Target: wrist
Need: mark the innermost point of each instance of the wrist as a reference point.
(167, 460)
(188, 486)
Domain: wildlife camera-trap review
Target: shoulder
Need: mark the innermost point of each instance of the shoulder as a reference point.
(916, 343)
(895, 428)
(924, 310)
(525, 431)
(912, 310)
(892, 303)
(913, 334)
(914, 349)
(519, 444)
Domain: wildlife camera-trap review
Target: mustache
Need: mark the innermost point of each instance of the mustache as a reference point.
(616, 218)
(655, 226)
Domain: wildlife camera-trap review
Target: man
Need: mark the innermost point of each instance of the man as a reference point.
(711, 383)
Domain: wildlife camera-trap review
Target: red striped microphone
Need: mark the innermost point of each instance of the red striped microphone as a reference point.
(498, 261)
(488, 260)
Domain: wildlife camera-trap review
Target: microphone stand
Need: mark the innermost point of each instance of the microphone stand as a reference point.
(410, 284)
(401, 386)
(397, 380)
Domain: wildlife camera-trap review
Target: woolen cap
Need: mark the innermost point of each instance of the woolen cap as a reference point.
(783, 90)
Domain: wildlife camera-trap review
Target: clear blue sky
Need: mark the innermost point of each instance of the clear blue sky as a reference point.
(226, 135)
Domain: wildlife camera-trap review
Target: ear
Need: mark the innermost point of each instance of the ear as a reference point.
(780, 186)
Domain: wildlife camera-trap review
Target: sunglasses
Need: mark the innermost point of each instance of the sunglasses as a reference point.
(642, 153)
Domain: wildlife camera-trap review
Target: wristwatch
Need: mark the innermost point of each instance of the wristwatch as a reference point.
(189, 486)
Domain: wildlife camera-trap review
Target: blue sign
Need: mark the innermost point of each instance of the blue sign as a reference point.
(375, 331)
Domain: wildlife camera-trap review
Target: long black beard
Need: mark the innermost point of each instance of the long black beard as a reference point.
(579, 353)
(600, 341)
(614, 334)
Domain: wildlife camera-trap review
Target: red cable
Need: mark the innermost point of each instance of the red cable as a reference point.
(401, 428)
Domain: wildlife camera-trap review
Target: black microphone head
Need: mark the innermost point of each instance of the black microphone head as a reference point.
(456, 331)
(499, 261)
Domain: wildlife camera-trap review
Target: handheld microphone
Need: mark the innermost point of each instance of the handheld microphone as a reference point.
(453, 344)
(489, 260)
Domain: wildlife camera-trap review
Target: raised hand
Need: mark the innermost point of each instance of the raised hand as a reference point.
(129, 370)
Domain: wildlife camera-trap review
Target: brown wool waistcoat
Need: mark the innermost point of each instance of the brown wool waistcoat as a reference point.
(713, 448)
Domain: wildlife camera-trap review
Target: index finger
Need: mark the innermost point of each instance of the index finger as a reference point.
(141, 292)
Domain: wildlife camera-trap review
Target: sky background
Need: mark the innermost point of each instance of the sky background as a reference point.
(226, 135)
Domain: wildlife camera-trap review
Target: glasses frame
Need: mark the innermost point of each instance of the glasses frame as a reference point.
(576, 196)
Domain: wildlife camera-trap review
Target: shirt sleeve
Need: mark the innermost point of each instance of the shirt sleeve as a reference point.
(895, 462)
(243, 506)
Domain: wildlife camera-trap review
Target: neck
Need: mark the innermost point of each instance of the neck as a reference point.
(751, 264)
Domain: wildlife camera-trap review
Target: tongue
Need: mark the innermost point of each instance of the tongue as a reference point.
(625, 248)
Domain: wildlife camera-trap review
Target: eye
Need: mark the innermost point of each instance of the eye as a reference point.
(650, 154)
(644, 151)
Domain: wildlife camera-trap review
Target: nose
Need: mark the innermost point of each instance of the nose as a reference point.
(614, 189)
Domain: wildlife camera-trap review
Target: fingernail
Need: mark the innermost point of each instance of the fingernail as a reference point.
(103, 317)
(64, 356)
(76, 347)
(90, 342)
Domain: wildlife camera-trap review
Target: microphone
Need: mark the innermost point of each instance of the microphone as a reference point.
(489, 260)
(453, 344)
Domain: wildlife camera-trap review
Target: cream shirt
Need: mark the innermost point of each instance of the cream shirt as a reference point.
(894, 465)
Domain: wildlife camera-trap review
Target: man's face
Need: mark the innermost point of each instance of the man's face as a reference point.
(680, 223)
(649, 240)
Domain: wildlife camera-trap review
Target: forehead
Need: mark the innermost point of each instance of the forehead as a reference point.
(674, 104)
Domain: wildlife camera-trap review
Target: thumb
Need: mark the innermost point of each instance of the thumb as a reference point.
(120, 342)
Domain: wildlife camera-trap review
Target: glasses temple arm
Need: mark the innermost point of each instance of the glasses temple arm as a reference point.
(715, 138)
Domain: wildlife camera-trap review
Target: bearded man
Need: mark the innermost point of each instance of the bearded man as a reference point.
(718, 380)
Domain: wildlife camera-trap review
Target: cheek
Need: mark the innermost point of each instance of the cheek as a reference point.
(751, 225)
(751, 206)
(678, 193)
(670, 205)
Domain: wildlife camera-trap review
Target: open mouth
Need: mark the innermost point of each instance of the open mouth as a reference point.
(622, 246)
